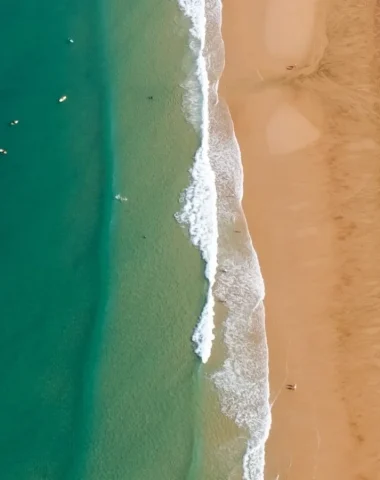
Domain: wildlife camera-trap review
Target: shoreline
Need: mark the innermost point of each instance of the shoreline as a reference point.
(311, 209)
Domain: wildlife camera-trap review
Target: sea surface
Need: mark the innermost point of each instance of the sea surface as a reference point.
(54, 191)
(133, 345)
(145, 422)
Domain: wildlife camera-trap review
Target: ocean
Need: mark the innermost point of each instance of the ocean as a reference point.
(148, 386)
(54, 196)
(110, 368)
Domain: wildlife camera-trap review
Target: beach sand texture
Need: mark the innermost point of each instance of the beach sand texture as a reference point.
(309, 138)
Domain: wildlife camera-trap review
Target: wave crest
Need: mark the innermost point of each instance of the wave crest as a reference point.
(213, 212)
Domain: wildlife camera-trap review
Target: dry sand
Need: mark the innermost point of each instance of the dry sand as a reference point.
(310, 146)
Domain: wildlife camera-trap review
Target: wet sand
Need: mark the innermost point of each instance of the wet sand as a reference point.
(311, 155)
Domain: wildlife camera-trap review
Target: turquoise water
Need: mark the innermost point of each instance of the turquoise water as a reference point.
(148, 390)
(53, 189)
(99, 380)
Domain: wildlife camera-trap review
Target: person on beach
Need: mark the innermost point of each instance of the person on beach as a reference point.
(291, 386)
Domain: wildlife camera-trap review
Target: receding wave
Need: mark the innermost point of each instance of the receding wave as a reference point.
(213, 212)
(199, 199)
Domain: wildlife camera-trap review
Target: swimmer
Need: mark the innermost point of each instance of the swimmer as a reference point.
(120, 198)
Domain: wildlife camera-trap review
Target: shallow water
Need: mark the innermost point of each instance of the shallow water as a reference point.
(148, 392)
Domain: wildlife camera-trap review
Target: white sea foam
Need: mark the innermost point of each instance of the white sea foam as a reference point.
(199, 200)
(212, 210)
(242, 382)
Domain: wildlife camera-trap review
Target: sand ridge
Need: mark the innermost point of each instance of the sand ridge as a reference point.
(310, 149)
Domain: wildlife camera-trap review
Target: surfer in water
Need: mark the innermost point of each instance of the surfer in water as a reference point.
(120, 198)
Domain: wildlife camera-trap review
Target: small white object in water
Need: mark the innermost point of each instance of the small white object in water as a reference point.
(3, 152)
(70, 40)
(13, 122)
(62, 99)
(120, 198)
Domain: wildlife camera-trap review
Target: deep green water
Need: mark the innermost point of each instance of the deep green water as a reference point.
(97, 372)
(53, 189)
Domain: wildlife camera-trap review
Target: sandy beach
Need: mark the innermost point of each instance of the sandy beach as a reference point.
(300, 81)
